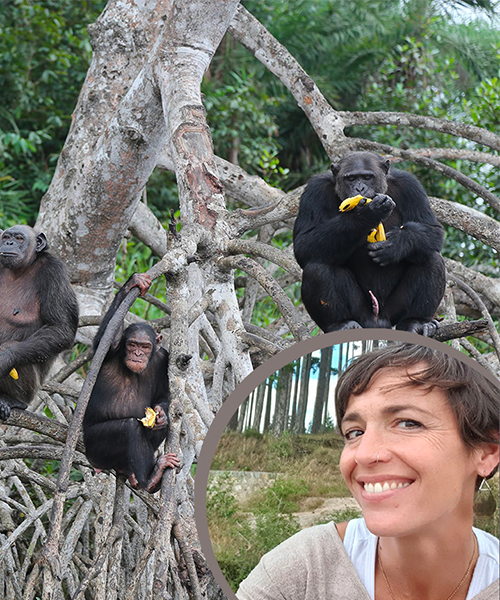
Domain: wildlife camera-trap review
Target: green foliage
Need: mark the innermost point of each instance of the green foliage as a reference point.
(250, 543)
(238, 114)
(281, 496)
(221, 503)
(253, 433)
(238, 541)
(281, 447)
(339, 516)
(44, 55)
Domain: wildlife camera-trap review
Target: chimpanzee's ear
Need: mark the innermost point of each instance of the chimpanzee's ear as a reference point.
(386, 165)
(334, 168)
(1, 231)
(41, 242)
(159, 338)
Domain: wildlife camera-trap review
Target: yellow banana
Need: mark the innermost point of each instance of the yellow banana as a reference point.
(376, 235)
(14, 374)
(350, 203)
(150, 418)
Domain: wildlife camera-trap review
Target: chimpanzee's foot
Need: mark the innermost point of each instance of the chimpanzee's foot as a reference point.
(376, 323)
(7, 403)
(341, 325)
(4, 410)
(133, 481)
(425, 327)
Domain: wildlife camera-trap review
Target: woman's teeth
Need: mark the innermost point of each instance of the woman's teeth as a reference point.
(378, 488)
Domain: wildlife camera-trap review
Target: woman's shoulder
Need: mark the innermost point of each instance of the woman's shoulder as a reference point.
(310, 538)
(305, 565)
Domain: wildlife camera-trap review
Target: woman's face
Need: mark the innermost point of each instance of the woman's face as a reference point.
(424, 475)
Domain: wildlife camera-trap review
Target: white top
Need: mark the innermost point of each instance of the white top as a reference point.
(361, 547)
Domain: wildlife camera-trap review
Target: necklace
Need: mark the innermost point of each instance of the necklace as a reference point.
(455, 591)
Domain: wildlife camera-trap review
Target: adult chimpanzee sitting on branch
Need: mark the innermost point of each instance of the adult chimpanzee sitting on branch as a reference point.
(133, 377)
(38, 315)
(349, 282)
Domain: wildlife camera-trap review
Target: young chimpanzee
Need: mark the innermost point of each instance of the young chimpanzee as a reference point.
(133, 377)
(350, 282)
(38, 315)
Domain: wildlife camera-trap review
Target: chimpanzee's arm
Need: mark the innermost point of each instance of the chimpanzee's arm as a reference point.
(420, 234)
(58, 313)
(140, 280)
(322, 233)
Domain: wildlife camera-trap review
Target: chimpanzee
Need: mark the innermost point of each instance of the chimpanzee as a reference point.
(38, 314)
(133, 377)
(348, 282)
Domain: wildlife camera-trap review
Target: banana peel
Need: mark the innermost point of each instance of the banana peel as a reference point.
(350, 203)
(377, 234)
(150, 418)
(14, 374)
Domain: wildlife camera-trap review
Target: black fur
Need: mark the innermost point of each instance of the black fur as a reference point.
(114, 438)
(405, 274)
(38, 316)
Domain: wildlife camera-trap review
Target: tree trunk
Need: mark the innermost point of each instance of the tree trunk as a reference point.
(300, 423)
(259, 404)
(322, 389)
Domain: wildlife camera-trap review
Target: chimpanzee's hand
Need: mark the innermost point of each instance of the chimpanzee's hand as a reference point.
(161, 417)
(387, 252)
(140, 280)
(381, 206)
(6, 363)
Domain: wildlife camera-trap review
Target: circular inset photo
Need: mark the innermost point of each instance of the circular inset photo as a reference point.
(363, 469)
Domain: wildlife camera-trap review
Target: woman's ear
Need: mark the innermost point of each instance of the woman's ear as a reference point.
(488, 455)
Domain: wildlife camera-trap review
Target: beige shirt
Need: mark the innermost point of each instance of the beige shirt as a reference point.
(313, 565)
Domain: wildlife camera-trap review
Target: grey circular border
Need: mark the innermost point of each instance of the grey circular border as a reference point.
(246, 387)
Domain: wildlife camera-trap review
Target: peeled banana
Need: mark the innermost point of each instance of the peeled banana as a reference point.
(377, 234)
(14, 374)
(150, 418)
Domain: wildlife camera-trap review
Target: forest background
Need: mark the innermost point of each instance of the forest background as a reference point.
(419, 56)
(435, 58)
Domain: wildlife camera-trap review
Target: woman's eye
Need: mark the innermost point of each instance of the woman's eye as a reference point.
(409, 424)
(352, 434)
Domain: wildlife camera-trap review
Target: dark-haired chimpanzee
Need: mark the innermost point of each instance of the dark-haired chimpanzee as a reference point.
(38, 314)
(349, 282)
(133, 377)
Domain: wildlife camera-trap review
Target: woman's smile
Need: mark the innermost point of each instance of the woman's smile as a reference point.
(380, 485)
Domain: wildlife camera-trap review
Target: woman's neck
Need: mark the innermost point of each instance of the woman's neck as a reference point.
(426, 565)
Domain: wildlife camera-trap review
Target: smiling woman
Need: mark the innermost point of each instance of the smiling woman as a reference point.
(421, 434)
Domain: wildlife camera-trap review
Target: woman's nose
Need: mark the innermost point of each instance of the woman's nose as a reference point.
(371, 449)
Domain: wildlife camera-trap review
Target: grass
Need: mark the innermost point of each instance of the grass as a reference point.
(310, 461)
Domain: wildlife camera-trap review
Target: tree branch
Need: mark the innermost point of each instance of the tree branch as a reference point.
(441, 168)
(327, 123)
(283, 302)
(469, 132)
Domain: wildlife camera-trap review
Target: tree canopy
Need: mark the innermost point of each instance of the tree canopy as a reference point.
(175, 138)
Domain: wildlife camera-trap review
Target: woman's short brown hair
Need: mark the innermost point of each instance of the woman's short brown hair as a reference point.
(473, 398)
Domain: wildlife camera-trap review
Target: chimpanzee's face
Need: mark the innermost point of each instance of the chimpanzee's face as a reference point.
(19, 246)
(362, 174)
(138, 351)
